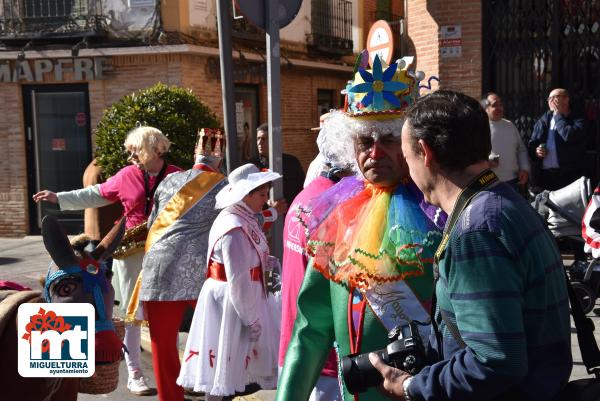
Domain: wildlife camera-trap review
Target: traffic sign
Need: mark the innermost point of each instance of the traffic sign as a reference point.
(254, 11)
(380, 41)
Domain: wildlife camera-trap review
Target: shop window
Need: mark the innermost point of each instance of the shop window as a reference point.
(246, 116)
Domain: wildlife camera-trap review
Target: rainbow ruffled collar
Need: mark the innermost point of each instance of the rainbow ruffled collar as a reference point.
(360, 235)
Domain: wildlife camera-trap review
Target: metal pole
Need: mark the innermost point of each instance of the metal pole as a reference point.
(274, 109)
(224, 27)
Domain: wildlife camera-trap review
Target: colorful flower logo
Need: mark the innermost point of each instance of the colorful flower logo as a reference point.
(379, 86)
(44, 321)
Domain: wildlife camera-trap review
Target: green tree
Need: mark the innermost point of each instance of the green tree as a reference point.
(173, 110)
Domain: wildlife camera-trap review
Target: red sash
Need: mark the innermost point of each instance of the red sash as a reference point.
(216, 271)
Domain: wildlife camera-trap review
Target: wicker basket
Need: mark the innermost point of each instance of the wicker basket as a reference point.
(106, 377)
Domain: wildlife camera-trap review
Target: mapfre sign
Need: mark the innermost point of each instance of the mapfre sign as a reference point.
(80, 68)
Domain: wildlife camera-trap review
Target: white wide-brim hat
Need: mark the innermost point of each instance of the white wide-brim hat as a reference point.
(242, 180)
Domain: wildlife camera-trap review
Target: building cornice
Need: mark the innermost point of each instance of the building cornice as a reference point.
(167, 49)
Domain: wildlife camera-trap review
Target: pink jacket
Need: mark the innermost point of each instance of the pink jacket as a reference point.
(294, 267)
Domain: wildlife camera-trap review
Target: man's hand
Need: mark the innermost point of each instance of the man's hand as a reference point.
(541, 152)
(280, 205)
(523, 177)
(494, 163)
(553, 105)
(45, 195)
(393, 379)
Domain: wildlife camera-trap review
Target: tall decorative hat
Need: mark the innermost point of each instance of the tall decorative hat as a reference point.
(211, 142)
(383, 91)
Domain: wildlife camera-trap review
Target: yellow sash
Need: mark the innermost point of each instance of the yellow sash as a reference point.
(178, 205)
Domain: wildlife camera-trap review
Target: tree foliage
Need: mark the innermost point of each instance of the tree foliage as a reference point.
(173, 110)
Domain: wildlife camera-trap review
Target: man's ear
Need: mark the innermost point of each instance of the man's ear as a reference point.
(427, 153)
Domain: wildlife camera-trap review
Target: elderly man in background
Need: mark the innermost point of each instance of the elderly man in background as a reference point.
(557, 144)
(508, 159)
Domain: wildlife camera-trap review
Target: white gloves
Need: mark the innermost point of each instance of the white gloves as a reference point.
(255, 331)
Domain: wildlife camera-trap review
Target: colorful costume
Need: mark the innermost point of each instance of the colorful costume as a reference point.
(219, 356)
(174, 265)
(371, 246)
(362, 240)
(294, 265)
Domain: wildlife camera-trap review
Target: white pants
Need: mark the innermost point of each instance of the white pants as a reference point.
(125, 275)
(132, 342)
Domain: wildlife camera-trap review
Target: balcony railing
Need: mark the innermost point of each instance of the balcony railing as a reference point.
(331, 22)
(35, 19)
(395, 22)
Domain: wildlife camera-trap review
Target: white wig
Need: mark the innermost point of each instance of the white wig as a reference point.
(336, 138)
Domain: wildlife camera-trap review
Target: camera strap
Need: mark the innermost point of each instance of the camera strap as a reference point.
(478, 184)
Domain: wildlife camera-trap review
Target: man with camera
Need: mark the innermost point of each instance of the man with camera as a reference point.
(370, 244)
(501, 328)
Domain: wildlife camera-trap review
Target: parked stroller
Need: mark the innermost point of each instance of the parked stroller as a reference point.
(563, 211)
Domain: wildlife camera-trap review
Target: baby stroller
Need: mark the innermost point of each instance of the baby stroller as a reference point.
(563, 212)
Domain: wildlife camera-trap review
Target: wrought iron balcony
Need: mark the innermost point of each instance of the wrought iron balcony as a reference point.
(38, 19)
(331, 22)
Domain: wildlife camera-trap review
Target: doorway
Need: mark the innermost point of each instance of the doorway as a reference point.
(57, 134)
(246, 109)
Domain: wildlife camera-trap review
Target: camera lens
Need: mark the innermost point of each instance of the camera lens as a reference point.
(358, 372)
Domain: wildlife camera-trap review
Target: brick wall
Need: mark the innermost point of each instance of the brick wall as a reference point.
(424, 18)
(13, 172)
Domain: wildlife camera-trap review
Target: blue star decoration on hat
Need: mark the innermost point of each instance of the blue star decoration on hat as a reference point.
(379, 86)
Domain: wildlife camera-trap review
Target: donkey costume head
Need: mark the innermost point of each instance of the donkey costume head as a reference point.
(81, 276)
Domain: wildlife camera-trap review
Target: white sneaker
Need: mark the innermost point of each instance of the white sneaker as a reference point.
(138, 386)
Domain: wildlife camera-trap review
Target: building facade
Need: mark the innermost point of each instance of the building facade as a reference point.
(63, 62)
(57, 80)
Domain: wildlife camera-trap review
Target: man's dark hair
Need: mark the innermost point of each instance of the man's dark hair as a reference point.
(455, 127)
(484, 100)
(263, 127)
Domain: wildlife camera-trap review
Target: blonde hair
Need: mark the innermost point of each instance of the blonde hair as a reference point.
(147, 141)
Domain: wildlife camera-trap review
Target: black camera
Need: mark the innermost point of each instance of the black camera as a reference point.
(405, 352)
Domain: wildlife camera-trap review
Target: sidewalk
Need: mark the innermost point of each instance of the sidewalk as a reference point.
(25, 260)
